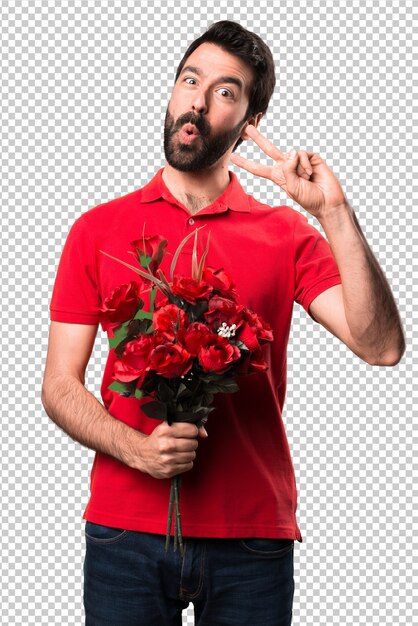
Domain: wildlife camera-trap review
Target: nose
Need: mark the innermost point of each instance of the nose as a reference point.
(199, 102)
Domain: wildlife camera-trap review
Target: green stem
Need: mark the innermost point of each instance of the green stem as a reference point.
(170, 515)
(174, 503)
(178, 518)
(178, 539)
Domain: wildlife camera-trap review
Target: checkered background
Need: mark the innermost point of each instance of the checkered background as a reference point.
(84, 89)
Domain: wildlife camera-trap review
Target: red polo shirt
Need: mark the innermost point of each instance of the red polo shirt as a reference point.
(242, 483)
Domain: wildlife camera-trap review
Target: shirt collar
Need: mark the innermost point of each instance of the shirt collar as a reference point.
(234, 196)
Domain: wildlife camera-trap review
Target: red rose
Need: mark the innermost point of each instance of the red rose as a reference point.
(160, 337)
(252, 329)
(192, 336)
(252, 363)
(217, 354)
(223, 310)
(134, 362)
(257, 362)
(221, 281)
(165, 319)
(149, 252)
(247, 333)
(122, 304)
(189, 289)
(171, 360)
(263, 329)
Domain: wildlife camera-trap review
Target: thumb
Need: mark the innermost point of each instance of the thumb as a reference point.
(203, 432)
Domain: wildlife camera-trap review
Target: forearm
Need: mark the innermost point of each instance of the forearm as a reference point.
(78, 412)
(370, 308)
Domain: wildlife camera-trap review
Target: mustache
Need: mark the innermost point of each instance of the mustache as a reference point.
(190, 118)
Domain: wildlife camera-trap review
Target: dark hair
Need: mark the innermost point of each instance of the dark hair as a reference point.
(237, 40)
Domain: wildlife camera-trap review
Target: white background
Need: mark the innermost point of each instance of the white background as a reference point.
(84, 89)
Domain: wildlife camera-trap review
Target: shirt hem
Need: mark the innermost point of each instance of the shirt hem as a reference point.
(57, 315)
(319, 287)
(219, 531)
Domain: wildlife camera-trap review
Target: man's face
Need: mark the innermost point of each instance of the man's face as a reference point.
(209, 101)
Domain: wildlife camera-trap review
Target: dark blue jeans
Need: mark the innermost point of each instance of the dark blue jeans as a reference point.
(130, 580)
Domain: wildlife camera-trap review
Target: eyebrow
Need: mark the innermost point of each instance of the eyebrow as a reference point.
(222, 79)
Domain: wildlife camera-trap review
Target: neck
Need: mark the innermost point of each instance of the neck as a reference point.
(195, 190)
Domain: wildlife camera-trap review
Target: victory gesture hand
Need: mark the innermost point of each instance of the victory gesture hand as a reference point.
(304, 176)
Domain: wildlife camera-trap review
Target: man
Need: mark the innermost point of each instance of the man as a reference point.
(239, 498)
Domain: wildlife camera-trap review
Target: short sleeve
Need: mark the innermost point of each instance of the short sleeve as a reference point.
(75, 296)
(315, 266)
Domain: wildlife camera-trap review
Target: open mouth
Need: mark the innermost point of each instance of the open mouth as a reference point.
(190, 129)
(188, 134)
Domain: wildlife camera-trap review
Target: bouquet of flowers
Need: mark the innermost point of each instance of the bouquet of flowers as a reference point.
(191, 344)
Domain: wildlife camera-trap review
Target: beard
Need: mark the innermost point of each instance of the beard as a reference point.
(204, 151)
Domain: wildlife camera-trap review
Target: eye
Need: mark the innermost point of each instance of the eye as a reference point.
(189, 78)
(228, 93)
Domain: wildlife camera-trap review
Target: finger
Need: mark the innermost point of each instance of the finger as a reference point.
(305, 175)
(304, 161)
(184, 430)
(267, 146)
(255, 168)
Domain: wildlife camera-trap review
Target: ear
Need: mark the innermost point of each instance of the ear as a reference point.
(254, 120)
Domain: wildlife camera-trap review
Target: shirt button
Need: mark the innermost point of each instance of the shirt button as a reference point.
(191, 221)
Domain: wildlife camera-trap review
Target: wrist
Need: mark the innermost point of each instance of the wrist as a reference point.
(336, 215)
(132, 449)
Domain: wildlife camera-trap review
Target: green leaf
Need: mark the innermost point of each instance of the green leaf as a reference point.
(143, 315)
(203, 411)
(120, 333)
(197, 310)
(124, 389)
(165, 392)
(226, 386)
(138, 393)
(152, 299)
(210, 377)
(156, 410)
(181, 391)
(207, 398)
(144, 259)
(240, 344)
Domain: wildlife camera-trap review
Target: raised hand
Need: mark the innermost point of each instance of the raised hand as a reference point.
(304, 176)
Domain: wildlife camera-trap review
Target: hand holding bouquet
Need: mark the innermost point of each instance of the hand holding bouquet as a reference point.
(191, 344)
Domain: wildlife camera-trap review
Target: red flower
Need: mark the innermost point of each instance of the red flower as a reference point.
(165, 320)
(217, 354)
(223, 310)
(192, 336)
(253, 329)
(190, 290)
(160, 337)
(149, 256)
(264, 330)
(257, 362)
(170, 360)
(122, 304)
(134, 362)
(221, 281)
(248, 335)
(253, 363)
